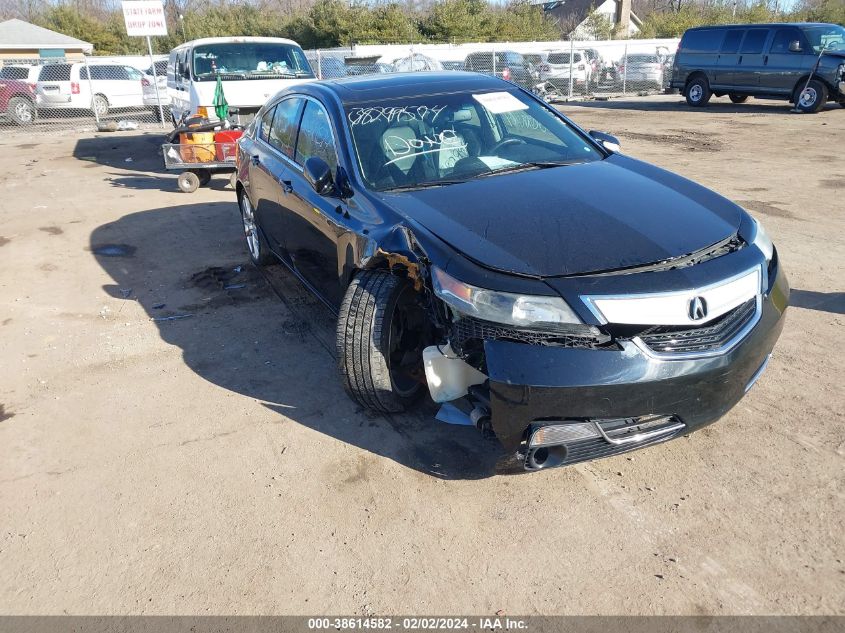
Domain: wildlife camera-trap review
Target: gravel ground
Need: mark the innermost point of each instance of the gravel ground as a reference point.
(213, 464)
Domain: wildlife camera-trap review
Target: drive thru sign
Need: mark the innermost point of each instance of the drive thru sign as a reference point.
(144, 17)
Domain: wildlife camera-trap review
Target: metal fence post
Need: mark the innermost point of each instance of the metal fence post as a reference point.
(571, 56)
(319, 65)
(155, 82)
(625, 69)
(493, 49)
(91, 90)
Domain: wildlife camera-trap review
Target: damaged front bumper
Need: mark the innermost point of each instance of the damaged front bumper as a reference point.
(623, 398)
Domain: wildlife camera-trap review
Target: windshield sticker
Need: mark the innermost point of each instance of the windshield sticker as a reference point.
(366, 116)
(499, 102)
(409, 148)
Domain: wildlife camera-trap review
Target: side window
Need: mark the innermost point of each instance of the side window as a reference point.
(732, 40)
(134, 73)
(266, 122)
(702, 41)
(780, 44)
(315, 136)
(283, 130)
(753, 42)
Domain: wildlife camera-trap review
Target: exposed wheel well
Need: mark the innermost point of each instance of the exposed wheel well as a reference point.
(695, 75)
(799, 85)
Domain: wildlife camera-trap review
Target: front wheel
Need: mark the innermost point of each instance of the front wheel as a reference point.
(738, 98)
(812, 98)
(21, 111)
(698, 92)
(381, 332)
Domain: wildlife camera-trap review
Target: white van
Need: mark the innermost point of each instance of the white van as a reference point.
(67, 86)
(252, 69)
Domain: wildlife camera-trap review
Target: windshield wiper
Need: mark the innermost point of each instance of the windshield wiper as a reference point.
(423, 185)
(534, 164)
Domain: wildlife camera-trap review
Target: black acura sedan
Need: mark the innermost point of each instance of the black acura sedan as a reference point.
(479, 247)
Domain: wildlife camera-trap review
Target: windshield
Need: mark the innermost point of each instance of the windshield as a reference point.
(442, 139)
(249, 60)
(831, 37)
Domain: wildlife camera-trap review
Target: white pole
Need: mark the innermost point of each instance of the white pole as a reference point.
(155, 81)
(91, 90)
(571, 56)
(625, 69)
(319, 66)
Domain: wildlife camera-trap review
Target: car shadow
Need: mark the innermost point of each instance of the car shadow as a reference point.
(718, 105)
(833, 302)
(259, 334)
(136, 161)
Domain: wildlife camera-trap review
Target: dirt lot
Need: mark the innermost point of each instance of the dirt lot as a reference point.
(213, 464)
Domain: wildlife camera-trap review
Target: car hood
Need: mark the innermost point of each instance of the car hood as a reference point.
(599, 216)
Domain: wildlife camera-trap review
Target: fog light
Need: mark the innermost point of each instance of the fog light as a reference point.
(554, 434)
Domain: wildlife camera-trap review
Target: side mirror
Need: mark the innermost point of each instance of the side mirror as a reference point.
(609, 142)
(795, 46)
(319, 175)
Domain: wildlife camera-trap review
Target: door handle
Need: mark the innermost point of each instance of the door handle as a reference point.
(256, 159)
(740, 59)
(287, 186)
(766, 60)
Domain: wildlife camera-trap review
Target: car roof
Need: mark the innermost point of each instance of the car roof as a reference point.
(236, 40)
(767, 25)
(370, 88)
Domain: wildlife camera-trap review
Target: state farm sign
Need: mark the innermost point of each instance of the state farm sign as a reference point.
(144, 17)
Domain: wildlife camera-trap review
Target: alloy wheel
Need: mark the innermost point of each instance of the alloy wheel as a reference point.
(695, 92)
(250, 228)
(808, 97)
(24, 113)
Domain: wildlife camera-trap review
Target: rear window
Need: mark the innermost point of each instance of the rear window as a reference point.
(643, 59)
(562, 58)
(55, 72)
(732, 40)
(15, 72)
(753, 42)
(514, 59)
(702, 41)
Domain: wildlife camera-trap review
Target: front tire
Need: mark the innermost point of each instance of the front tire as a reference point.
(811, 99)
(698, 92)
(21, 111)
(381, 332)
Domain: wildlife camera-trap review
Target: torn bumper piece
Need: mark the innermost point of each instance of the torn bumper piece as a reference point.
(533, 386)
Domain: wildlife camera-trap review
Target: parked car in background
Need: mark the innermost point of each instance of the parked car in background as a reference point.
(110, 86)
(668, 62)
(414, 63)
(595, 62)
(329, 67)
(480, 248)
(20, 72)
(507, 65)
(557, 66)
(152, 98)
(17, 101)
(765, 61)
(641, 70)
(377, 68)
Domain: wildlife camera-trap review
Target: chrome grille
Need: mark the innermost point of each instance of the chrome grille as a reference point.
(712, 336)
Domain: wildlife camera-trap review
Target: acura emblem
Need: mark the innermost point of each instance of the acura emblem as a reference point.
(697, 308)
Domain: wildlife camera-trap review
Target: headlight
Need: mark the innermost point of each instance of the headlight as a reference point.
(762, 241)
(502, 307)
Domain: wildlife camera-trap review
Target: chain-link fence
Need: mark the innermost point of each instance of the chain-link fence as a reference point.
(92, 93)
(88, 93)
(557, 70)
